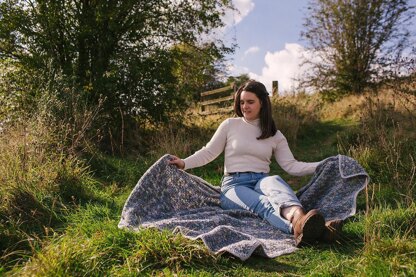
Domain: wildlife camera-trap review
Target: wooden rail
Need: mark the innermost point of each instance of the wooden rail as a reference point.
(219, 100)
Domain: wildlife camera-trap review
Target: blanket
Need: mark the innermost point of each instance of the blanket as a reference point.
(168, 198)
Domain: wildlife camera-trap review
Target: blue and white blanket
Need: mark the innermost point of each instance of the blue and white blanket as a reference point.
(168, 198)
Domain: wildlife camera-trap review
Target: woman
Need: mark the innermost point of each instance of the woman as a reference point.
(249, 142)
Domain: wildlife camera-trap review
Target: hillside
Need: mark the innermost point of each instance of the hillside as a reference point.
(59, 211)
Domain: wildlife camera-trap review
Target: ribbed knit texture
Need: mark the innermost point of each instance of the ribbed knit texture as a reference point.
(243, 152)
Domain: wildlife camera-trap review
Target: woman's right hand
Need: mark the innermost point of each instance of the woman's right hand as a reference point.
(178, 162)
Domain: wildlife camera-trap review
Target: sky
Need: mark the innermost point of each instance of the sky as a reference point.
(268, 36)
(269, 43)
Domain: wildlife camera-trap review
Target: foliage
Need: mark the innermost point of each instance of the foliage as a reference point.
(348, 37)
(237, 80)
(59, 211)
(385, 146)
(385, 142)
(120, 51)
(18, 91)
(196, 69)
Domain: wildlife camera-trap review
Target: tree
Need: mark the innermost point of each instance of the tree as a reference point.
(117, 50)
(347, 37)
(238, 80)
(196, 69)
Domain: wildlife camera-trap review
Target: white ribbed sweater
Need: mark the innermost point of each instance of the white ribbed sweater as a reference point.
(244, 152)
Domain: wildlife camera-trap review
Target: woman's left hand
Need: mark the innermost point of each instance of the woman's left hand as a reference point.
(178, 162)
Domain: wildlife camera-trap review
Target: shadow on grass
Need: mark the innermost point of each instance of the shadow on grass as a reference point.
(320, 140)
(309, 258)
(30, 216)
(125, 172)
(265, 265)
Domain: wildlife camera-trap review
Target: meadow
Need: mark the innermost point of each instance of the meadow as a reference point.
(59, 208)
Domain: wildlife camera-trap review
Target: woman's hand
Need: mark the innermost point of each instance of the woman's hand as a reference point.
(178, 162)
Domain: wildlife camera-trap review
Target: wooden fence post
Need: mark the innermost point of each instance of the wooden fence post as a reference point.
(275, 88)
(220, 100)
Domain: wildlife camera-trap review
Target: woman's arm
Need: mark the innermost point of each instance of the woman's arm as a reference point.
(207, 153)
(287, 161)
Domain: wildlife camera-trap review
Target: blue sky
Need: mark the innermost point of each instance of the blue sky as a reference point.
(269, 26)
(268, 36)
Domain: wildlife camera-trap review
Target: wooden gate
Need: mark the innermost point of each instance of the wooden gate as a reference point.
(220, 100)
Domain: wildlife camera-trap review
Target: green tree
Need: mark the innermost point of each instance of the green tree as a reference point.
(117, 50)
(347, 37)
(238, 80)
(196, 69)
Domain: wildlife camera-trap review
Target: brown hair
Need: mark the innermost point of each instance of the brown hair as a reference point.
(267, 125)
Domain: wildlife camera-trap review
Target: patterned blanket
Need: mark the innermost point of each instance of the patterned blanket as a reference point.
(168, 198)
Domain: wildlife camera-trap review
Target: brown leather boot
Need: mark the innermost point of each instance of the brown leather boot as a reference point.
(307, 227)
(332, 231)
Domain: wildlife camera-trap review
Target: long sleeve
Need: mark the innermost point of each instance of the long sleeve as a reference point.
(287, 161)
(210, 151)
(244, 152)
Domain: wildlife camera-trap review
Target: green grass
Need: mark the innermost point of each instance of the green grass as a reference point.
(91, 244)
(82, 202)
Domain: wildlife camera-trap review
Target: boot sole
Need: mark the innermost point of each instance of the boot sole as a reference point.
(313, 228)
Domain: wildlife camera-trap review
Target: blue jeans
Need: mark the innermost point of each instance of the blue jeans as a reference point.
(261, 194)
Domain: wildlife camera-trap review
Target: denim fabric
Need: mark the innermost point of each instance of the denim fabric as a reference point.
(261, 194)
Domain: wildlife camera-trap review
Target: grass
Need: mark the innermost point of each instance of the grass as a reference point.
(73, 205)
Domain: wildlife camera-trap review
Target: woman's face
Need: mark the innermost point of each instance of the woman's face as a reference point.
(250, 105)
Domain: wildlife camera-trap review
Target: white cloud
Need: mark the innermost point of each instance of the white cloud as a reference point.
(236, 70)
(243, 8)
(230, 18)
(283, 66)
(251, 50)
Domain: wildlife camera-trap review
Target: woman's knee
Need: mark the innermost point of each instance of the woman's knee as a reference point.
(272, 184)
(243, 198)
(228, 204)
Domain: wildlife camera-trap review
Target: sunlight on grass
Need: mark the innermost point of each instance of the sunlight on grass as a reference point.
(73, 203)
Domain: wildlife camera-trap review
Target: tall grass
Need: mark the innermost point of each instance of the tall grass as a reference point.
(42, 180)
(384, 142)
(38, 186)
(182, 138)
(386, 146)
(293, 113)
